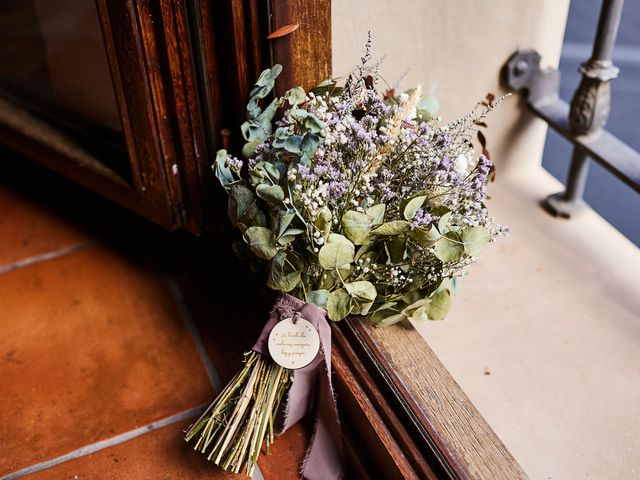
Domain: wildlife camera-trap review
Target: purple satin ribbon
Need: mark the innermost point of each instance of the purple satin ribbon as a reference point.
(323, 460)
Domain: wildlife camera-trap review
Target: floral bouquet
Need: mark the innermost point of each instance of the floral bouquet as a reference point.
(356, 202)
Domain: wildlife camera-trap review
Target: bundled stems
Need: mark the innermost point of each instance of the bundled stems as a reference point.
(234, 427)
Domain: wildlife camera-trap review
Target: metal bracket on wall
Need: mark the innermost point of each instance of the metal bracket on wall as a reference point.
(583, 120)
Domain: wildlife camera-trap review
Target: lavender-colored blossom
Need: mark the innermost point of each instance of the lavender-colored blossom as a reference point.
(421, 219)
(234, 163)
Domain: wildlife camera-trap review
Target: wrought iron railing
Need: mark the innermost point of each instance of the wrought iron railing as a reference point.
(581, 122)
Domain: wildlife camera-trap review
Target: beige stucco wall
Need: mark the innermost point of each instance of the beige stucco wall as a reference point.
(456, 49)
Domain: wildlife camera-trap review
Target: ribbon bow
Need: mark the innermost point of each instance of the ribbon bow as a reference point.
(323, 458)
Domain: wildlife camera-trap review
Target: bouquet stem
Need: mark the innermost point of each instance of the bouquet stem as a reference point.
(232, 430)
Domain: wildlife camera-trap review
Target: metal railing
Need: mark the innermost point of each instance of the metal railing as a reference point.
(582, 122)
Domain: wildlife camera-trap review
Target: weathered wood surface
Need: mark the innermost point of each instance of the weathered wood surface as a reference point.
(305, 53)
(454, 427)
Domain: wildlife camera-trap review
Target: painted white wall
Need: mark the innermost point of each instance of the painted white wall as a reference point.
(456, 49)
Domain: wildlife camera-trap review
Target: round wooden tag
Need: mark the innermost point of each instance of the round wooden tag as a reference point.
(294, 345)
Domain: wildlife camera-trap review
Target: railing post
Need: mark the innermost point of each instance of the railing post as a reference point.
(589, 108)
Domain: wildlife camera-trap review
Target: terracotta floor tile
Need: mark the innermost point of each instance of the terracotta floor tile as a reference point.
(27, 229)
(161, 454)
(286, 454)
(91, 345)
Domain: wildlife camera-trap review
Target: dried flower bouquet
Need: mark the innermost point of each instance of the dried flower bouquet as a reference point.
(357, 202)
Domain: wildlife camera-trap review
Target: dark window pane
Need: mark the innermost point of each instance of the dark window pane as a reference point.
(52, 59)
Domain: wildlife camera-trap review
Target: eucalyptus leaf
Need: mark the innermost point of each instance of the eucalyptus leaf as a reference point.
(413, 206)
(272, 171)
(299, 113)
(427, 108)
(328, 280)
(221, 170)
(264, 172)
(345, 272)
(396, 248)
(368, 250)
(253, 217)
(259, 91)
(377, 213)
(313, 123)
(385, 321)
(362, 289)
(294, 231)
(253, 131)
(249, 148)
(420, 314)
(305, 159)
(253, 109)
(360, 307)
(414, 300)
(444, 221)
(269, 74)
(356, 226)
(363, 294)
(284, 221)
(439, 304)
(393, 227)
(333, 256)
(286, 239)
(339, 304)
(262, 242)
(282, 169)
(310, 143)
(426, 238)
(449, 247)
(270, 193)
(318, 297)
(265, 81)
(290, 235)
(279, 278)
(327, 87)
(293, 143)
(295, 96)
(386, 306)
(337, 238)
(323, 221)
(475, 239)
(265, 118)
(240, 201)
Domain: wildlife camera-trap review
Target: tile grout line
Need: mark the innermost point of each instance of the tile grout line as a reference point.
(109, 442)
(187, 318)
(25, 262)
(189, 322)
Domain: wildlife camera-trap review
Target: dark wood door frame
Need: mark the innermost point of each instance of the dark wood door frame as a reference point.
(149, 49)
